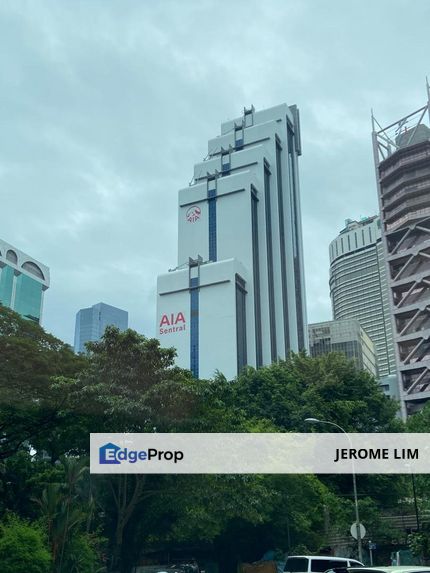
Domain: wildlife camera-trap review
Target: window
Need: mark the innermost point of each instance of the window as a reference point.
(296, 238)
(225, 162)
(194, 326)
(241, 323)
(282, 249)
(33, 269)
(321, 565)
(271, 287)
(256, 278)
(11, 256)
(238, 137)
(297, 565)
(212, 224)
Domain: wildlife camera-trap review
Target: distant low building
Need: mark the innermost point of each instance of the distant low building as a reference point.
(91, 323)
(23, 281)
(345, 336)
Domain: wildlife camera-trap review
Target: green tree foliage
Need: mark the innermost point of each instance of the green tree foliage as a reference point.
(328, 387)
(51, 400)
(23, 547)
(30, 358)
(67, 511)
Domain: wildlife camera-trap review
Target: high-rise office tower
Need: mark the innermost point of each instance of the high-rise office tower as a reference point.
(237, 296)
(344, 336)
(402, 161)
(91, 323)
(23, 281)
(358, 286)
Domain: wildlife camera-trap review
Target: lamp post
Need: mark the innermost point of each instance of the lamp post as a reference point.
(354, 483)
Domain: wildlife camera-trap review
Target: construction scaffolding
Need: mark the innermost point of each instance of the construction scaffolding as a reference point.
(402, 164)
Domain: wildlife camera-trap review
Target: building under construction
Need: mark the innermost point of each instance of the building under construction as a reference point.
(402, 161)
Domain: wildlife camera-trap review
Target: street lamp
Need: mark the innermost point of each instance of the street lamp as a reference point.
(354, 483)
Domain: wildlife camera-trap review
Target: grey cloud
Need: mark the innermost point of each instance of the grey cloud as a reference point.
(105, 107)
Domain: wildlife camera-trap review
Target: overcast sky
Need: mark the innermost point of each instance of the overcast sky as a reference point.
(106, 105)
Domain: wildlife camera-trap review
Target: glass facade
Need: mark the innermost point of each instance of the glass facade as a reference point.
(6, 285)
(282, 248)
(22, 283)
(28, 297)
(241, 323)
(194, 332)
(269, 244)
(292, 178)
(346, 337)
(256, 277)
(212, 224)
(92, 322)
(358, 286)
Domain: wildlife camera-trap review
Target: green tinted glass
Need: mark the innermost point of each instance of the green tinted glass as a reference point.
(28, 297)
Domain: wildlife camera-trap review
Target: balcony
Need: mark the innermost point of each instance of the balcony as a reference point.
(421, 201)
(408, 190)
(408, 218)
(406, 160)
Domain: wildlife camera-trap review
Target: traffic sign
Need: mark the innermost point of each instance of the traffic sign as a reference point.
(354, 530)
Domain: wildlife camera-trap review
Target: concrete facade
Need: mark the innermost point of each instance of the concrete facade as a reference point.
(402, 159)
(239, 287)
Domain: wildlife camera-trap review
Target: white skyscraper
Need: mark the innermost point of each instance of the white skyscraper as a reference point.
(237, 296)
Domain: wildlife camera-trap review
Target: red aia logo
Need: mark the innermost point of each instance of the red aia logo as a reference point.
(193, 214)
(172, 319)
(173, 322)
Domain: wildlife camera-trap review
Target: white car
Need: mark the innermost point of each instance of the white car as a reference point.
(318, 563)
(392, 569)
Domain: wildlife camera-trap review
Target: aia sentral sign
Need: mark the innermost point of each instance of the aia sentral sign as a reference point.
(173, 322)
(272, 453)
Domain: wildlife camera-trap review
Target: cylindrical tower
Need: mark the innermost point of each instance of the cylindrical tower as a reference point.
(358, 286)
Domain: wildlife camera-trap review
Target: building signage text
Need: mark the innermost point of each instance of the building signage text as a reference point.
(173, 322)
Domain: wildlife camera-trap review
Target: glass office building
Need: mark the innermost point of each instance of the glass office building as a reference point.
(92, 322)
(359, 289)
(346, 337)
(23, 281)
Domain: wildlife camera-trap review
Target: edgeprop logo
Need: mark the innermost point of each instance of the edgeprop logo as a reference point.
(112, 454)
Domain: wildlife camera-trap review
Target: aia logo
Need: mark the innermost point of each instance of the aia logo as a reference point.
(193, 214)
(173, 322)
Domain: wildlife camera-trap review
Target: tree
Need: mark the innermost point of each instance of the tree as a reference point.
(67, 512)
(30, 358)
(23, 547)
(328, 387)
(129, 384)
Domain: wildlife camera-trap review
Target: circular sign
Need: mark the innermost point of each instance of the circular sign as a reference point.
(193, 213)
(354, 530)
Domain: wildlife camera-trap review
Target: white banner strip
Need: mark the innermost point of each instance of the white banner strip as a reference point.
(260, 453)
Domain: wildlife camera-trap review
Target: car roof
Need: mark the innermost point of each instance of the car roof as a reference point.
(393, 568)
(327, 557)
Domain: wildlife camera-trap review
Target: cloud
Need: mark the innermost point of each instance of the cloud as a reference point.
(105, 107)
